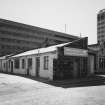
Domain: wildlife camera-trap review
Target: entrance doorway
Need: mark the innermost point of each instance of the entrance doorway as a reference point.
(91, 64)
(37, 66)
(11, 66)
(80, 67)
(63, 68)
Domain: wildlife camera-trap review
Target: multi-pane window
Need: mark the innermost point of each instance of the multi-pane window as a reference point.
(23, 63)
(17, 63)
(46, 62)
(30, 63)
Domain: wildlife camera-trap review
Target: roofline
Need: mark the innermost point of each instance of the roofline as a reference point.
(78, 39)
(38, 49)
(56, 46)
(93, 45)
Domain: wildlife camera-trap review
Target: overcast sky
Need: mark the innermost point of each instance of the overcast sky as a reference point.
(80, 16)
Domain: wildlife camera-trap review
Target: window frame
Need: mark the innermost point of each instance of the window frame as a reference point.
(30, 64)
(17, 63)
(23, 63)
(46, 63)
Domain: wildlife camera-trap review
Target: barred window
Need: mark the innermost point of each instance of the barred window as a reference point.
(30, 63)
(23, 63)
(17, 63)
(46, 62)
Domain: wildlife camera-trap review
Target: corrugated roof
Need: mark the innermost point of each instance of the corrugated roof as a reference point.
(41, 50)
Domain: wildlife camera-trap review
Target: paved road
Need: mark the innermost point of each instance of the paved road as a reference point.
(15, 90)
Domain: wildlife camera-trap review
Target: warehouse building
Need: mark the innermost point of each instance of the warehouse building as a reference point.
(62, 61)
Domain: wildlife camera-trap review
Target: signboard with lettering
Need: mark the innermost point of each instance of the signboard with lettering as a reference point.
(75, 52)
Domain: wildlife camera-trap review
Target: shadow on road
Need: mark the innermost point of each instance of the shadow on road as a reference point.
(96, 80)
(83, 82)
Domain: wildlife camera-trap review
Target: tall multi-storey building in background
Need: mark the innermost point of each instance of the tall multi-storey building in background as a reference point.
(17, 37)
(99, 47)
(101, 31)
(101, 26)
(101, 40)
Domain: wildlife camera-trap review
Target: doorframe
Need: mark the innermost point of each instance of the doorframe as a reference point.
(37, 66)
(11, 62)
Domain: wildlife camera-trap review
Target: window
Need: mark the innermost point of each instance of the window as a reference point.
(4, 65)
(46, 60)
(104, 62)
(23, 63)
(17, 63)
(102, 16)
(30, 63)
(9, 64)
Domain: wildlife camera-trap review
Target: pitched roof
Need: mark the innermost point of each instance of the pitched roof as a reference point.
(94, 47)
(41, 50)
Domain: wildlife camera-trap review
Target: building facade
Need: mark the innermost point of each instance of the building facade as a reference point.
(100, 46)
(101, 26)
(99, 57)
(62, 61)
(17, 37)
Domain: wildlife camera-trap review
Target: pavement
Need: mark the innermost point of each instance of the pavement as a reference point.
(16, 90)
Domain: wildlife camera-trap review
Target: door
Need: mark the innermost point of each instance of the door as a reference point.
(76, 67)
(83, 66)
(91, 64)
(29, 68)
(11, 66)
(6, 67)
(37, 66)
(80, 67)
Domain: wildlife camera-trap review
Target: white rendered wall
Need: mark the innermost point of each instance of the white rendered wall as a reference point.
(32, 72)
(47, 73)
(20, 70)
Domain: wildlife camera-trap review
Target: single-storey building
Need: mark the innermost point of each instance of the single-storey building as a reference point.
(63, 61)
(5, 63)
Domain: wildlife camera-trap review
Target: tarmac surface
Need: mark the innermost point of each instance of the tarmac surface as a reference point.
(16, 90)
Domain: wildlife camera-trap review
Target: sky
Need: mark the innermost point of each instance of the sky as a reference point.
(80, 16)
